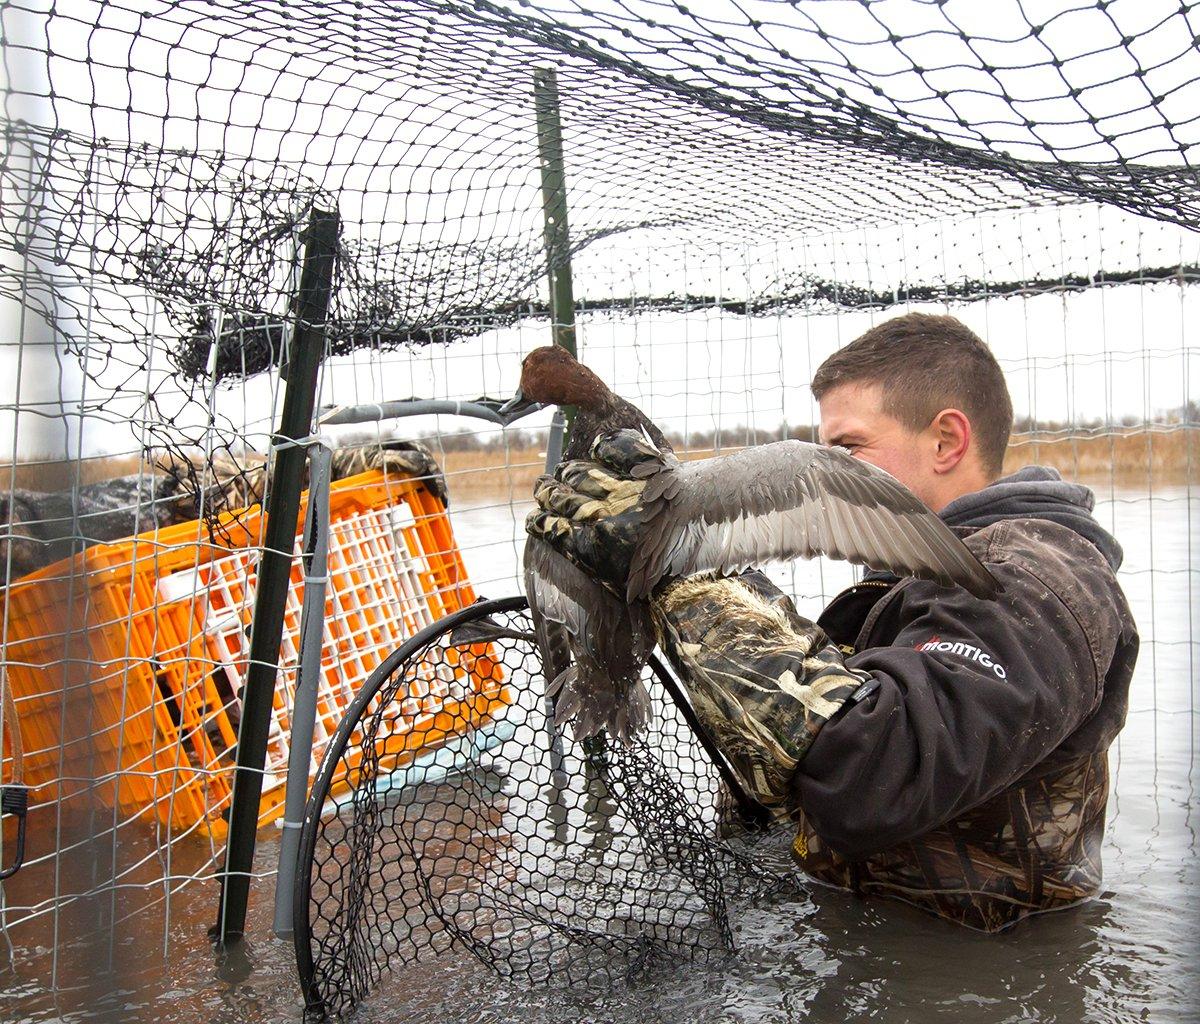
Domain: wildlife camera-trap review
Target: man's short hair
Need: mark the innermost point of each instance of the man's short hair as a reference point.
(925, 364)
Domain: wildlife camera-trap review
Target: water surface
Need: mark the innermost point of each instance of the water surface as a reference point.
(825, 956)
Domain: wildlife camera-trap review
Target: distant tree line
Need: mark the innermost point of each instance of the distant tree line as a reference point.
(736, 436)
(1183, 415)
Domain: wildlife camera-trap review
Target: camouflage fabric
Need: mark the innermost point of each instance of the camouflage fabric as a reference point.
(410, 458)
(221, 483)
(763, 680)
(39, 528)
(1034, 847)
(588, 510)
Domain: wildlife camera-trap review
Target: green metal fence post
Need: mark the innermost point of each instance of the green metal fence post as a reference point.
(562, 292)
(275, 567)
(554, 208)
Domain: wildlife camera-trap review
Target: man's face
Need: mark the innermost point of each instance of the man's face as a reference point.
(852, 417)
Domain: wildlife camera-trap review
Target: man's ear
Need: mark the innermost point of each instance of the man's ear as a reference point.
(951, 432)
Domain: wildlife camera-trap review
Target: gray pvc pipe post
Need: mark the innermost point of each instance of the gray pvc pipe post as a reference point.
(373, 411)
(308, 680)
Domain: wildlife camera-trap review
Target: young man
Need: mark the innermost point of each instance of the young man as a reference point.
(929, 746)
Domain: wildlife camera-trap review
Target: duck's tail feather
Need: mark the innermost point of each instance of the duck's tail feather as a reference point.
(637, 708)
(566, 694)
(593, 647)
(564, 680)
(592, 703)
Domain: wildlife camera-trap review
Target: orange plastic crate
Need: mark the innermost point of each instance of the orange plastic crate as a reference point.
(126, 662)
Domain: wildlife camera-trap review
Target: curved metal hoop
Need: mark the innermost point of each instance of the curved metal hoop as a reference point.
(320, 793)
(349, 866)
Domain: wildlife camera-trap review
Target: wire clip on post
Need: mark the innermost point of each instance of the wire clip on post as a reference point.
(14, 799)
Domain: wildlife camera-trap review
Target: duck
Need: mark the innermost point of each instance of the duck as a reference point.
(550, 375)
(773, 502)
(592, 682)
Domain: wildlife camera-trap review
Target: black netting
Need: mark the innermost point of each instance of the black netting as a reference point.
(161, 162)
(542, 859)
(187, 166)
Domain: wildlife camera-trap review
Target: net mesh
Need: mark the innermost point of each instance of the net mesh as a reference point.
(161, 162)
(733, 122)
(544, 858)
(746, 182)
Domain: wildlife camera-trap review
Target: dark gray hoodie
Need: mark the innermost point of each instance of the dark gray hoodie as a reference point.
(1035, 492)
(975, 696)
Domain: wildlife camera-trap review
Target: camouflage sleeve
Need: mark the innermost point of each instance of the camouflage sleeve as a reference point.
(763, 679)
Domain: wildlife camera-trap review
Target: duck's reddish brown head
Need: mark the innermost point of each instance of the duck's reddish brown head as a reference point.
(552, 376)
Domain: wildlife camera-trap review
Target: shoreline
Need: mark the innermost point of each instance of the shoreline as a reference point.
(1130, 457)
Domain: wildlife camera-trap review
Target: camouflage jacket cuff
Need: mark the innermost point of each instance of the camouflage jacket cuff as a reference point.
(763, 679)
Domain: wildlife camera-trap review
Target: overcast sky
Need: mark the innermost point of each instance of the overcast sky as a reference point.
(385, 142)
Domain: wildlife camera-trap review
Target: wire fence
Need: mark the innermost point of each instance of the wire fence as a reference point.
(1102, 380)
(748, 190)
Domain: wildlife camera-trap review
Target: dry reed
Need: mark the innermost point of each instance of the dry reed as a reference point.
(49, 475)
(1130, 458)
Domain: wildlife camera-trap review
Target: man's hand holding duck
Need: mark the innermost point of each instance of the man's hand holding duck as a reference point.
(589, 511)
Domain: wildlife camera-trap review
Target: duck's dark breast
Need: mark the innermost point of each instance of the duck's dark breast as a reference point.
(590, 424)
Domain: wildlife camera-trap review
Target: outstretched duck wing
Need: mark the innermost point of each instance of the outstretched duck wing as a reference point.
(792, 499)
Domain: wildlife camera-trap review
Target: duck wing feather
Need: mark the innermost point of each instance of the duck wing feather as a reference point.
(792, 499)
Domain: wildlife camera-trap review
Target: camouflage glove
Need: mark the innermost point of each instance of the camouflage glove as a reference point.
(588, 510)
(762, 679)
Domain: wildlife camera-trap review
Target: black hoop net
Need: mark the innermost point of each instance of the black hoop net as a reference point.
(542, 859)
